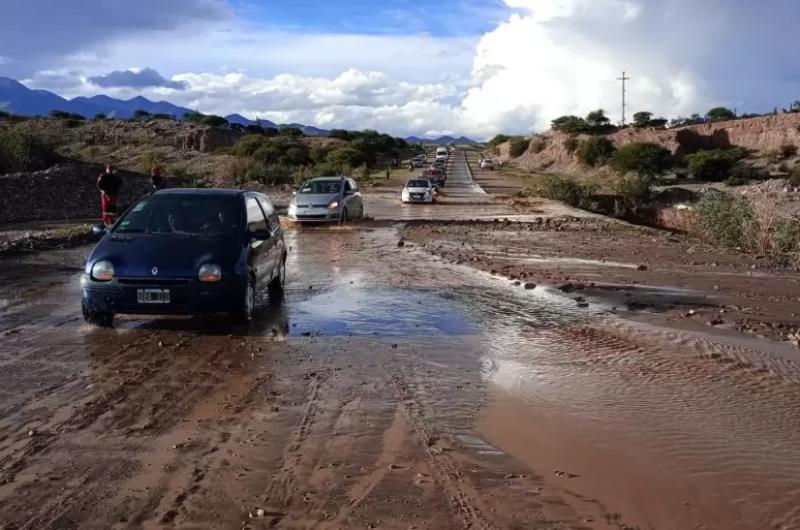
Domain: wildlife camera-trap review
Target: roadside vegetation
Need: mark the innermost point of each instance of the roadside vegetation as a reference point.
(288, 159)
(268, 156)
(20, 151)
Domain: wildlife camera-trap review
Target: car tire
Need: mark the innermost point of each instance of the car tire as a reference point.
(277, 284)
(247, 305)
(103, 319)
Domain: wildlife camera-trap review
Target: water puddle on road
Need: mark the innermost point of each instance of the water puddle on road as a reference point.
(378, 311)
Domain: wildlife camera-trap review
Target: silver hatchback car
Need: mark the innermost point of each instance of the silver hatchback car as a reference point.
(327, 199)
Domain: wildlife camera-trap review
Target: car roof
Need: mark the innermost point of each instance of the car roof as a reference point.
(221, 192)
(326, 179)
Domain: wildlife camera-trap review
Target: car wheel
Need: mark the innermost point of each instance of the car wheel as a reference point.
(277, 283)
(104, 319)
(247, 305)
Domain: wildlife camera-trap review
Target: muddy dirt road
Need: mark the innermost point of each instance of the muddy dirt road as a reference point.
(390, 388)
(387, 390)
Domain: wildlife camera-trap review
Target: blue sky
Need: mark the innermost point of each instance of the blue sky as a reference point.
(438, 18)
(476, 67)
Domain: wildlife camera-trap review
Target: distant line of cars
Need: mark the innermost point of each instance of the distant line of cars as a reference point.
(432, 179)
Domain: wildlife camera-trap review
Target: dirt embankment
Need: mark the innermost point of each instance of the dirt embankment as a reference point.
(60, 192)
(551, 152)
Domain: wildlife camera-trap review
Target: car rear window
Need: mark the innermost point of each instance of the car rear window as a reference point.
(182, 215)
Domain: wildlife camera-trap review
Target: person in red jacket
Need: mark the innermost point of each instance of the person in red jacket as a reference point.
(109, 184)
(156, 178)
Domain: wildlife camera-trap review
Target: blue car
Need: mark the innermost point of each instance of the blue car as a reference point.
(186, 252)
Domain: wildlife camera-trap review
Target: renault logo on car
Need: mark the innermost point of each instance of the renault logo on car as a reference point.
(154, 270)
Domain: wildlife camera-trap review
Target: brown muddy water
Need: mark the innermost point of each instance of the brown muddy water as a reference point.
(386, 390)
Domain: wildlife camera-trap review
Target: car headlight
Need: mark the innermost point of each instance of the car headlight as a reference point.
(333, 205)
(103, 271)
(209, 273)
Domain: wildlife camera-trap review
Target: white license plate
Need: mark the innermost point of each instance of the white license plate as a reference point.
(152, 296)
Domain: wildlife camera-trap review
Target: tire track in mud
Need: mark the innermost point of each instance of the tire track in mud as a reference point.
(280, 495)
(465, 503)
(122, 434)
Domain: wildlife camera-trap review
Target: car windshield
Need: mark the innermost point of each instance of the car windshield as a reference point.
(417, 184)
(182, 215)
(321, 187)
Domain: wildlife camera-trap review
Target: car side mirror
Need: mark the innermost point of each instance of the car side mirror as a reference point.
(261, 234)
(99, 230)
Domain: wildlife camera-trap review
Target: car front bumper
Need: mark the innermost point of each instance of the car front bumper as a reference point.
(314, 215)
(187, 296)
(423, 199)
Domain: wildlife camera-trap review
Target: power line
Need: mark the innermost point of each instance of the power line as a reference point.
(623, 79)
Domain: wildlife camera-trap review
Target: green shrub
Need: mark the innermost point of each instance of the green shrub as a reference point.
(633, 189)
(141, 115)
(720, 113)
(291, 132)
(23, 152)
(786, 235)
(346, 156)
(725, 219)
(788, 150)
(499, 139)
(566, 190)
(714, 165)
(794, 177)
(571, 144)
(518, 146)
(647, 160)
(743, 174)
(570, 124)
(341, 134)
(249, 144)
(296, 154)
(204, 119)
(595, 151)
(62, 115)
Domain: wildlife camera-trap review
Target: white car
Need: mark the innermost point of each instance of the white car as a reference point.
(327, 199)
(418, 190)
(487, 164)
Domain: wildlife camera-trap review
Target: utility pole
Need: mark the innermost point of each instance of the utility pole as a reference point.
(623, 79)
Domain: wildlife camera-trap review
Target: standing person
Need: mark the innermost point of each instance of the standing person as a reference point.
(109, 184)
(156, 179)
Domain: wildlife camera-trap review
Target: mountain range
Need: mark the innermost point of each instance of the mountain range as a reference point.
(16, 98)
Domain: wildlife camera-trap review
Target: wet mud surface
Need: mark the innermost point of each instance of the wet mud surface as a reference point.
(542, 373)
(387, 389)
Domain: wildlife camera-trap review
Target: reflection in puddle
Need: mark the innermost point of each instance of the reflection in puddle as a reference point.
(384, 311)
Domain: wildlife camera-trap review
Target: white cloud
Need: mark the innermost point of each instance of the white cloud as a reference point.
(547, 58)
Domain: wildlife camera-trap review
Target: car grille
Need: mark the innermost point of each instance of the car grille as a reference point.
(312, 216)
(163, 282)
(312, 205)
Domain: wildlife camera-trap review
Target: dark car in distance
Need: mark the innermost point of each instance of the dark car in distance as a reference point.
(186, 252)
